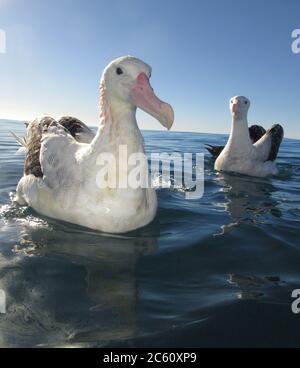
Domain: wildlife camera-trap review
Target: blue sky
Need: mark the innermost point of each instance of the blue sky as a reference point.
(202, 53)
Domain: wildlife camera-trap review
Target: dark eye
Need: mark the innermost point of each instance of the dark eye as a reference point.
(246, 102)
(119, 71)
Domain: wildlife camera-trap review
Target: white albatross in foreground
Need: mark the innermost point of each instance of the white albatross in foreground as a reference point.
(240, 155)
(61, 167)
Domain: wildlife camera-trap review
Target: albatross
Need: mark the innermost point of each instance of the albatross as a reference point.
(255, 133)
(240, 154)
(62, 157)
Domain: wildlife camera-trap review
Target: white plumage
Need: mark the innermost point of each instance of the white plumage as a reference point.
(240, 155)
(60, 179)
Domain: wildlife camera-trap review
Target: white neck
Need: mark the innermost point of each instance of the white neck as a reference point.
(239, 140)
(118, 126)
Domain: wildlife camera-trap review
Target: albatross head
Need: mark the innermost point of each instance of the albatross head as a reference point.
(126, 83)
(239, 106)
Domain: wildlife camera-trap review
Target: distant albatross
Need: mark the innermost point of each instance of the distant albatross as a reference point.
(61, 165)
(241, 154)
(255, 132)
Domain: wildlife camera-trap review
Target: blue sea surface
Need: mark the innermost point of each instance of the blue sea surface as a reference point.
(216, 271)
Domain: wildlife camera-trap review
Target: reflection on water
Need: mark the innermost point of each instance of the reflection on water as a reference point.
(69, 285)
(248, 199)
(252, 287)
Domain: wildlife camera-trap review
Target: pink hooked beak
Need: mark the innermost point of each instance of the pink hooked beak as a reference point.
(145, 99)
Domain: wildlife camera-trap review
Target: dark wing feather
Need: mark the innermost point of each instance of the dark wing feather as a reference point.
(277, 134)
(256, 132)
(33, 142)
(75, 127)
(268, 146)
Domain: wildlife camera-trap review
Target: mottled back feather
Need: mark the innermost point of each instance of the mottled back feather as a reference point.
(38, 127)
(33, 141)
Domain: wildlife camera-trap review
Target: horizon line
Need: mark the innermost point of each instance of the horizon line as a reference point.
(152, 130)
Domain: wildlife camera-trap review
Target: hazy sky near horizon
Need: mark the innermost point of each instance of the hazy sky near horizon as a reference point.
(202, 52)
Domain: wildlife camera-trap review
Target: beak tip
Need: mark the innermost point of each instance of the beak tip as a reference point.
(170, 126)
(171, 120)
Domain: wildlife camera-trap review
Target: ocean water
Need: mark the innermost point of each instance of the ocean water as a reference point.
(212, 272)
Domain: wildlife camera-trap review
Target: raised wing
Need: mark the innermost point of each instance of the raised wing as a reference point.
(256, 132)
(81, 132)
(267, 146)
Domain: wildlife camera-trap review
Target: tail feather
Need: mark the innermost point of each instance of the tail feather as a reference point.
(214, 150)
(21, 141)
